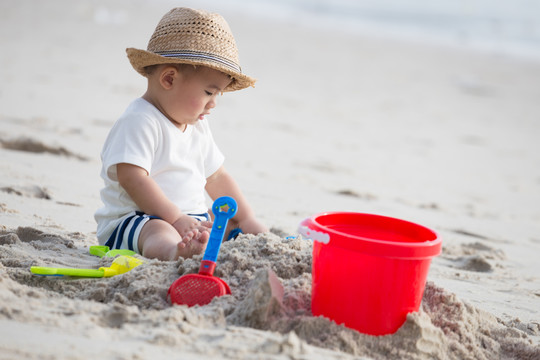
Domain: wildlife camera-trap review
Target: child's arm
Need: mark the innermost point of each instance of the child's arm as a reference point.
(150, 199)
(221, 183)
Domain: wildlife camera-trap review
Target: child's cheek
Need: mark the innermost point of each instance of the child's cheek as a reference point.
(196, 104)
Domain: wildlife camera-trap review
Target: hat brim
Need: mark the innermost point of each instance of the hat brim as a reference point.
(140, 59)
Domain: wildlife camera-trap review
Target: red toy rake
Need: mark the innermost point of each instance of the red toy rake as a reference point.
(201, 288)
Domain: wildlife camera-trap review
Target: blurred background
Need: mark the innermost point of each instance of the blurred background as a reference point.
(423, 110)
(356, 101)
(503, 26)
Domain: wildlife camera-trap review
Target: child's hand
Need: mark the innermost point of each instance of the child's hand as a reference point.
(192, 229)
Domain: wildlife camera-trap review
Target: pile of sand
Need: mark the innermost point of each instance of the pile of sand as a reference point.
(270, 278)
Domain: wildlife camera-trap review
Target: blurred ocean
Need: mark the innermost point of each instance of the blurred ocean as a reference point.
(498, 26)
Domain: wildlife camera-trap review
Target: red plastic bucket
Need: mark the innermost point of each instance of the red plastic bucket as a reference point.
(368, 271)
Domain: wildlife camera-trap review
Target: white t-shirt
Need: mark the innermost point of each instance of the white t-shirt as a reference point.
(179, 162)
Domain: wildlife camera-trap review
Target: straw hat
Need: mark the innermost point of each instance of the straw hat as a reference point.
(187, 36)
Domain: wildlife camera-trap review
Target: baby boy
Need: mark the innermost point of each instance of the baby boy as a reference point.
(160, 158)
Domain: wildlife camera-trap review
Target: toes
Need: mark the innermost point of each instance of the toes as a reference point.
(205, 236)
(187, 237)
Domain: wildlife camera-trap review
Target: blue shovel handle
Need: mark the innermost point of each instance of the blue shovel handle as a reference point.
(223, 208)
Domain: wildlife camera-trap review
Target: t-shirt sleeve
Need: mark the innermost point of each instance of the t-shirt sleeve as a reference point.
(132, 140)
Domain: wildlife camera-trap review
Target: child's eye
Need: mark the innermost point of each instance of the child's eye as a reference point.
(208, 93)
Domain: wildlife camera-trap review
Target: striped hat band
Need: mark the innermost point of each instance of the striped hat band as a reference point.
(187, 36)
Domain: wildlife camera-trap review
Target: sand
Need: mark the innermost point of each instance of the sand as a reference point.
(439, 135)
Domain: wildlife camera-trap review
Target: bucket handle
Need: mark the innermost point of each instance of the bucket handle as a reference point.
(314, 235)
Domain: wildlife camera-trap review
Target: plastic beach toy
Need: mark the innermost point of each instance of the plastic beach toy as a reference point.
(368, 271)
(120, 265)
(201, 288)
(102, 250)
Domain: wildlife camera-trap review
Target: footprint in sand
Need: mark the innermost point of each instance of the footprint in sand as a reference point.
(28, 191)
(35, 146)
(475, 256)
(32, 191)
(476, 263)
(354, 194)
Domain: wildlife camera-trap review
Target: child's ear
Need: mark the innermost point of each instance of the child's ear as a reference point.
(168, 76)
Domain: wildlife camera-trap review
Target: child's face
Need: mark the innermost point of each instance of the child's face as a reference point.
(193, 94)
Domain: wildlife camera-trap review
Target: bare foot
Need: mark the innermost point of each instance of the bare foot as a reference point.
(195, 246)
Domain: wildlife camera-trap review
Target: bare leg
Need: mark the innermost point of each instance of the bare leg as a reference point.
(159, 240)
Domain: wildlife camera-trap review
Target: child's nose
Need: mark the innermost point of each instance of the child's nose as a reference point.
(211, 104)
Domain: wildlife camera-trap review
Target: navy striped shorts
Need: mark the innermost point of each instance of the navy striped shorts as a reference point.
(126, 234)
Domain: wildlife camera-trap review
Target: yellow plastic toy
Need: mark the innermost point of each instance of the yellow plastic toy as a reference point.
(120, 265)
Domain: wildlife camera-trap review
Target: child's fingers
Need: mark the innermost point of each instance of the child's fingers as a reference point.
(203, 228)
(207, 224)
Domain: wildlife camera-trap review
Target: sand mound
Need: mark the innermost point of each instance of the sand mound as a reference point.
(270, 277)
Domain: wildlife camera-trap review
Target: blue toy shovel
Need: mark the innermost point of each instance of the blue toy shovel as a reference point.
(201, 288)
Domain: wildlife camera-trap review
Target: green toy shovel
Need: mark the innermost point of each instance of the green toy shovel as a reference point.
(102, 250)
(120, 265)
